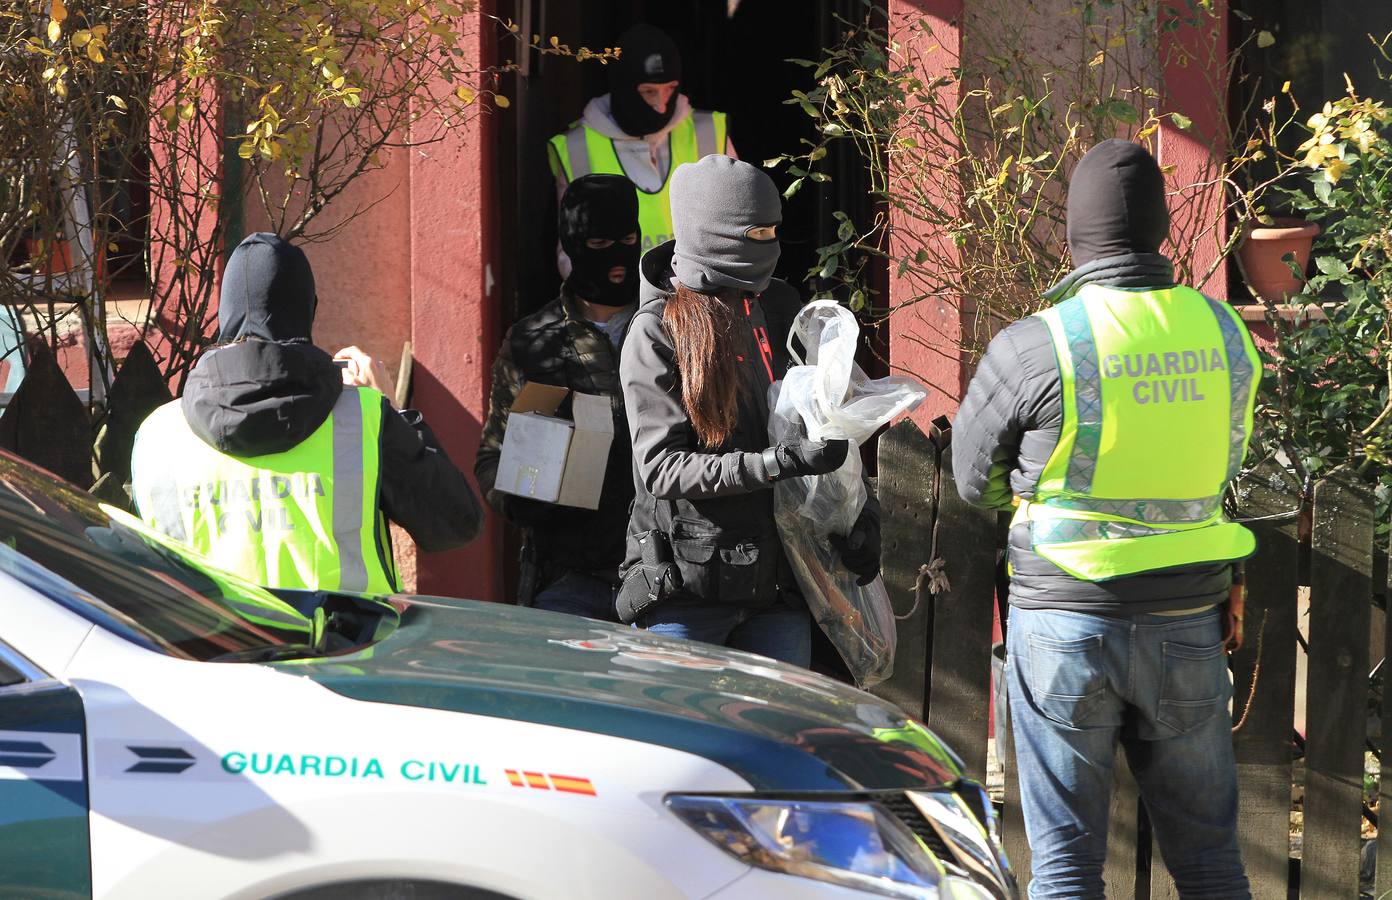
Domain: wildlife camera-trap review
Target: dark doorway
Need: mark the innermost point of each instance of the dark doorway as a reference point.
(735, 59)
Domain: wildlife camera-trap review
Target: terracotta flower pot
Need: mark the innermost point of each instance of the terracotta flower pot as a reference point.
(1261, 257)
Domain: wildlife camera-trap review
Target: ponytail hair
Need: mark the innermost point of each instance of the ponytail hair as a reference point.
(703, 333)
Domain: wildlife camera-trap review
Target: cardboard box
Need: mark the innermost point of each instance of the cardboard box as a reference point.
(556, 460)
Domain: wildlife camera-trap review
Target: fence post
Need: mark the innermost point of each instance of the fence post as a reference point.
(1340, 598)
(959, 686)
(46, 423)
(1264, 682)
(137, 391)
(1383, 887)
(908, 485)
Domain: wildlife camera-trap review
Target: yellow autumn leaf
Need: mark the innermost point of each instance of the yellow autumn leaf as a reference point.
(501, 102)
(1265, 39)
(117, 101)
(55, 31)
(338, 82)
(247, 150)
(60, 87)
(59, 11)
(80, 39)
(466, 94)
(94, 52)
(1098, 59)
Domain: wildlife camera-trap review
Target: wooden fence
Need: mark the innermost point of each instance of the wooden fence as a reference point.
(932, 539)
(46, 423)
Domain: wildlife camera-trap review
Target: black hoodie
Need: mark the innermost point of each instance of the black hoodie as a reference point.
(1011, 418)
(266, 388)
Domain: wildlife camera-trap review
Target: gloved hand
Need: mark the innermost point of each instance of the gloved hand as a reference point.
(860, 550)
(807, 457)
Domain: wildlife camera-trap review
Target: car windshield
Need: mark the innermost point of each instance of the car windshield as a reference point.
(109, 567)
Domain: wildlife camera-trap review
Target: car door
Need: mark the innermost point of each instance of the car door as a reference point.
(44, 847)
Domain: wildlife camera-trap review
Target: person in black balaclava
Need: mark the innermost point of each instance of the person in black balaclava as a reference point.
(598, 225)
(1109, 425)
(644, 80)
(643, 129)
(571, 556)
(264, 389)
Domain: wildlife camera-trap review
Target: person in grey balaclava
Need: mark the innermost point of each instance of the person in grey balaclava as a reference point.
(1109, 426)
(704, 557)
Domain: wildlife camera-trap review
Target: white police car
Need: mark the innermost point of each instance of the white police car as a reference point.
(169, 731)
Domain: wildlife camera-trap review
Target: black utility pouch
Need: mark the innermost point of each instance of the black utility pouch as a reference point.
(650, 581)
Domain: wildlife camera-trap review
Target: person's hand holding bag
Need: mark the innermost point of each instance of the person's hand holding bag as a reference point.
(860, 550)
(805, 457)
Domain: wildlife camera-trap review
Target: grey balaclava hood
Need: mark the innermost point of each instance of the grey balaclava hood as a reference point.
(714, 204)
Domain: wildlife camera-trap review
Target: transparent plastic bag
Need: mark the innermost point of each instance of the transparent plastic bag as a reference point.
(827, 396)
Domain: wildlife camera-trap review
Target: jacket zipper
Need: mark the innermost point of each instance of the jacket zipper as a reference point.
(762, 339)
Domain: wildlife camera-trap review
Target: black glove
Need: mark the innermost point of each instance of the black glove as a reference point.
(860, 550)
(809, 457)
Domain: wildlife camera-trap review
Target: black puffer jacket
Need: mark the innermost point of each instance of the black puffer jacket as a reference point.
(1006, 431)
(255, 397)
(556, 346)
(716, 506)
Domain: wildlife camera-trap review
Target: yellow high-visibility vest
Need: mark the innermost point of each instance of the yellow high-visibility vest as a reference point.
(1159, 388)
(306, 518)
(583, 151)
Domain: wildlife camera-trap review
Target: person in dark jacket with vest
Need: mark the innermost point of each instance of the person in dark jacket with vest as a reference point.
(571, 556)
(283, 464)
(704, 557)
(1113, 422)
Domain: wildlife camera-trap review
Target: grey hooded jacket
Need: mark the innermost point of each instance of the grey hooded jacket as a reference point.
(1005, 432)
(715, 506)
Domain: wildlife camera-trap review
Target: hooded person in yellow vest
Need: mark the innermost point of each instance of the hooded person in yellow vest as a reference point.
(643, 129)
(1112, 422)
(282, 464)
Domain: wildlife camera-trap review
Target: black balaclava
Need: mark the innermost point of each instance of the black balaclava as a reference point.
(601, 206)
(267, 292)
(1116, 203)
(646, 56)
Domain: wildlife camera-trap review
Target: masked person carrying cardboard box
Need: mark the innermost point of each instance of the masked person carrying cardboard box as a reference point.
(563, 474)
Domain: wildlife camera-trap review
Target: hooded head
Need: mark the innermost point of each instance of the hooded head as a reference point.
(725, 215)
(646, 56)
(1116, 203)
(594, 210)
(267, 292)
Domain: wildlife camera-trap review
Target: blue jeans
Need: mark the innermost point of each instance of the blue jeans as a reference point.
(779, 631)
(1080, 684)
(579, 594)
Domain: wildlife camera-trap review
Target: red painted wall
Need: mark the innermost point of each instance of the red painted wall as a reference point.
(454, 317)
(924, 338)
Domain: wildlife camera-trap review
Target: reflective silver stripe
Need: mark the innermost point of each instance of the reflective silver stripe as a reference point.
(705, 134)
(1087, 396)
(578, 152)
(163, 507)
(1239, 384)
(348, 490)
(1158, 511)
(1063, 531)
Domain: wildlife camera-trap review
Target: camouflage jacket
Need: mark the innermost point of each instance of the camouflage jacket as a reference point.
(556, 345)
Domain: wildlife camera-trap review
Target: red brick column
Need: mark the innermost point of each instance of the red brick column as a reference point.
(454, 316)
(1195, 85)
(924, 338)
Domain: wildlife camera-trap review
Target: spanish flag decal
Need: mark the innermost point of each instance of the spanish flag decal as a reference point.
(573, 785)
(566, 784)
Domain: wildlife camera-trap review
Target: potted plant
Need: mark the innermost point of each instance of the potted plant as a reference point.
(1263, 256)
(1326, 397)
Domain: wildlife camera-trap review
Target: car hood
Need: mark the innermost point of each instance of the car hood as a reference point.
(779, 727)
